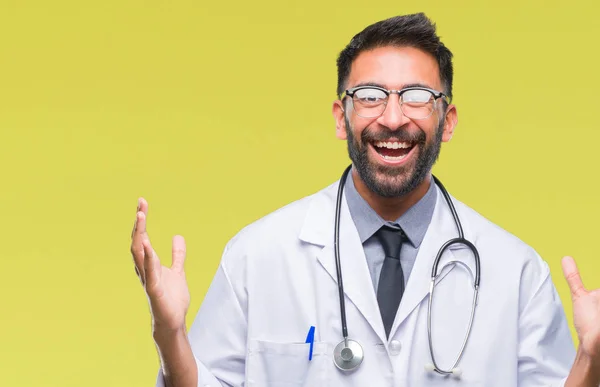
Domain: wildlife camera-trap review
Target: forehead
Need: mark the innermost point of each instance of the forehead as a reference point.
(394, 67)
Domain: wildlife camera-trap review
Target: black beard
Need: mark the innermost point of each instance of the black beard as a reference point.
(403, 180)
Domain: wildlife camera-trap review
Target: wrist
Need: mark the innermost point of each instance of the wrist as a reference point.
(177, 359)
(585, 371)
(163, 333)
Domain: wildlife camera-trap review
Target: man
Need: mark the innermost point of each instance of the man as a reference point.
(278, 276)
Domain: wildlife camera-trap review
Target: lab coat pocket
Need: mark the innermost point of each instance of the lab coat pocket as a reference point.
(278, 364)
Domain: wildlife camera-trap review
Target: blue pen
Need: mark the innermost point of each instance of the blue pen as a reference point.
(310, 338)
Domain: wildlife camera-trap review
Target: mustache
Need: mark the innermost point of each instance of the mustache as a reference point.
(369, 135)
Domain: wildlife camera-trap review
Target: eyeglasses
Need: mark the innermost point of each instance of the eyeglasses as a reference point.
(416, 102)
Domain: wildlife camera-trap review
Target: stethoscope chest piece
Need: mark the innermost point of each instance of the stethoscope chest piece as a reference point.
(348, 355)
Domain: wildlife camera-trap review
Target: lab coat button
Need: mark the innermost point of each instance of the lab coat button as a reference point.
(395, 347)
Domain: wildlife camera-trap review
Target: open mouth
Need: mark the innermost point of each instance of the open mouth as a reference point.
(393, 151)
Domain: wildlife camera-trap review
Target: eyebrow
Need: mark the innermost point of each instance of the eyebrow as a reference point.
(383, 87)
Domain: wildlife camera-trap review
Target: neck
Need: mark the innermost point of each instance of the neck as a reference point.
(391, 209)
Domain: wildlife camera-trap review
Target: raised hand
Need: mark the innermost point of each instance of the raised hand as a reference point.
(586, 310)
(166, 288)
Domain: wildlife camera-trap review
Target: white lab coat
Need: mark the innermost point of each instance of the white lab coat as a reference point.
(277, 278)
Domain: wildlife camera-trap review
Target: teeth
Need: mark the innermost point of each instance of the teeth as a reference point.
(392, 145)
(391, 158)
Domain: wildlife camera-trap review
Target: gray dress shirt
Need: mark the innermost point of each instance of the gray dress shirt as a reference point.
(414, 222)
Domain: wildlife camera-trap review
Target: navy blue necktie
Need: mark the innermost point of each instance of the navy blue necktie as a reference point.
(391, 279)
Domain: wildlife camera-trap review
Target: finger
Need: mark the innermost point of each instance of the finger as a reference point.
(151, 272)
(143, 207)
(137, 249)
(573, 278)
(136, 211)
(178, 253)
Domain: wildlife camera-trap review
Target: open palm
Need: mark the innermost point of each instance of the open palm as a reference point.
(166, 288)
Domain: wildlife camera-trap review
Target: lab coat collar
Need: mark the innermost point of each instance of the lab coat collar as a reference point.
(318, 229)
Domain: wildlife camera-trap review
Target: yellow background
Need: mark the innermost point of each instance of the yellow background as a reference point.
(220, 112)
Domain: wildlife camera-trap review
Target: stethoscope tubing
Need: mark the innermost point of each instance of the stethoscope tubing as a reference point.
(459, 240)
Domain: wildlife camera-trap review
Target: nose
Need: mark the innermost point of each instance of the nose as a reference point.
(393, 118)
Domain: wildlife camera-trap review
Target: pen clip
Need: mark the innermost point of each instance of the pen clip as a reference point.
(310, 338)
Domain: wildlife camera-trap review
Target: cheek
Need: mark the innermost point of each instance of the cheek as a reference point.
(432, 129)
(429, 128)
(354, 126)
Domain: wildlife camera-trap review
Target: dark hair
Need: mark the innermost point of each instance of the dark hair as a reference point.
(415, 30)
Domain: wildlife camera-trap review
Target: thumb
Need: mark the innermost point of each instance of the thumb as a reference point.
(178, 253)
(573, 278)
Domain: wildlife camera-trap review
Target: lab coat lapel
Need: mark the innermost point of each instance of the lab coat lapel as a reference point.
(358, 286)
(441, 229)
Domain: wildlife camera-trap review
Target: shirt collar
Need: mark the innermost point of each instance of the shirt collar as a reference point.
(414, 222)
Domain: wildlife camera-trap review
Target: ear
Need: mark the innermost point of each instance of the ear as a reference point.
(450, 122)
(340, 122)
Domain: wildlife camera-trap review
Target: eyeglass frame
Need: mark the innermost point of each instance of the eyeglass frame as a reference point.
(436, 95)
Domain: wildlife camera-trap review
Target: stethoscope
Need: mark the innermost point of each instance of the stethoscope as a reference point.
(349, 354)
